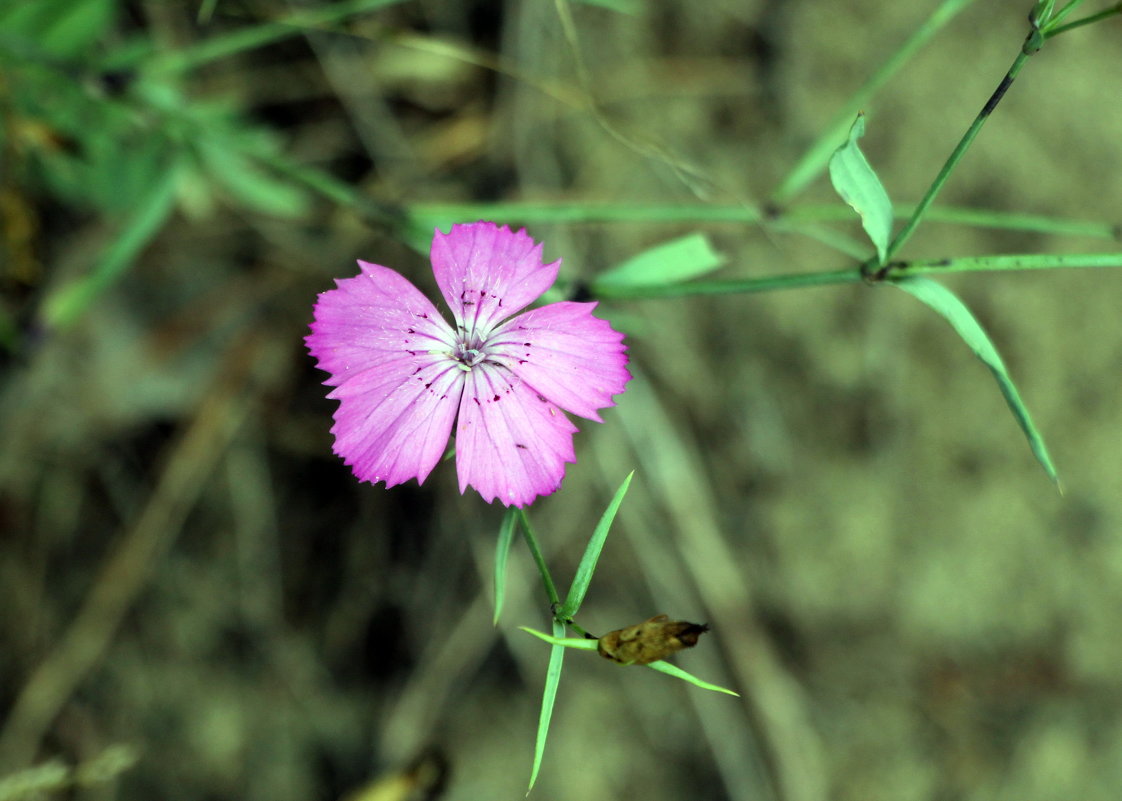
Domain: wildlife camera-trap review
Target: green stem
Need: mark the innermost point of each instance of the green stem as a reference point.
(1029, 261)
(573, 625)
(1051, 31)
(539, 560)
(956, 155)
(547, 580)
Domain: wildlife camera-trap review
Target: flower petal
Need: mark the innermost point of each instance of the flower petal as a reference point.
(565, 354)
(487, 273)
(391, 430)
(385, 348)
(511, 443)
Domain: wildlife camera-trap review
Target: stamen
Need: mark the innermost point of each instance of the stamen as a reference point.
(466, 357)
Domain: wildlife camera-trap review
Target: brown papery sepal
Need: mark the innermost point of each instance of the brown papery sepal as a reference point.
(649, 641)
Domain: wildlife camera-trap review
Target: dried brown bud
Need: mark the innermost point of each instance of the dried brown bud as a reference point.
(650, 641)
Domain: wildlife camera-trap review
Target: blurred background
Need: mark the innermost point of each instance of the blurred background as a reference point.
(197, 599)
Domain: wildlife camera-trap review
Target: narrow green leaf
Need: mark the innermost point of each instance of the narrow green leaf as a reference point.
(677, 672)
(859, 186)
(587, 564)
(206, 11)
(549, 695)
(502, 550)
(248, 184)
(67, 303)
(585, 644)
(80, 25)
(1041, 13)
(954, 311)
(428, 215)
(670, 262)
(631, 7)
(581, 643)
(62, 28)
(253, 37)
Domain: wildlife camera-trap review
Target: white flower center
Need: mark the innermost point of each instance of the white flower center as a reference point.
(468, 356)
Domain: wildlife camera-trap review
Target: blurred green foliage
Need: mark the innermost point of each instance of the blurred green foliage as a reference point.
(111, 130)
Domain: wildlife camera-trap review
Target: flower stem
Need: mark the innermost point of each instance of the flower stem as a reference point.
(913, 221)
(531, 541)
(547, 580)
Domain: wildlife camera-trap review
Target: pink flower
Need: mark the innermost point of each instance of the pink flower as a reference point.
(402, 375)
